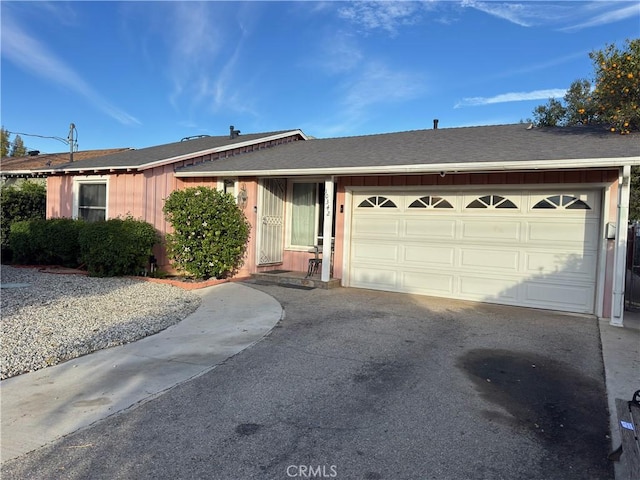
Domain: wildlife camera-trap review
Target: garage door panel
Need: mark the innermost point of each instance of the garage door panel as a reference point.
(565, 264)
(538, 256)
(573, 298)
(567, 232)
(429, 255)
(490, 230)
(380, 227)
(430, 228)
(486, 288)
(429, 283)
(590, 200)
(490, 259)
(370, 253)
(380, 279)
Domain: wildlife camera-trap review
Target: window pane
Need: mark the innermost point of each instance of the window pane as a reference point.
(93, 195)
(303, 214)
(91, 214)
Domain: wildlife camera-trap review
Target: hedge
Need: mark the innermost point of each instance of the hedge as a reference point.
(107, 248)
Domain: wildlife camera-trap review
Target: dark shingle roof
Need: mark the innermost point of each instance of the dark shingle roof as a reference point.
(146, 156)
(450, 147)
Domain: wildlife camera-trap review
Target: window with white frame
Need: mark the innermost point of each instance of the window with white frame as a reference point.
(91, 200)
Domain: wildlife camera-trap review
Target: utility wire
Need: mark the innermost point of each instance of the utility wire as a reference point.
(60, 139)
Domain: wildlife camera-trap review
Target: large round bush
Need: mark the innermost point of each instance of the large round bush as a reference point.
(210, 232)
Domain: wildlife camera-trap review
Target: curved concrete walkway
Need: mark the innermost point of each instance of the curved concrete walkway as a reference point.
(39, 407)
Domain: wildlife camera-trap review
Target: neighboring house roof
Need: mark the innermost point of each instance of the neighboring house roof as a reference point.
(487, 148)
(30, 164)
(172, 152)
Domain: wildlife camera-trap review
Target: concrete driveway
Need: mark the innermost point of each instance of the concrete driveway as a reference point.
(356, 384)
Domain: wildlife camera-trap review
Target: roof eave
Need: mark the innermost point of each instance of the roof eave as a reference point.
(427, 168)
(20, 173)
(178, 158)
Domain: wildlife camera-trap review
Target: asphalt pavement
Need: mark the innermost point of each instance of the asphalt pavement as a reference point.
(348, 384)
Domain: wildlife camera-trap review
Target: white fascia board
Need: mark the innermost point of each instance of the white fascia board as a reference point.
(186, 156)
(529, 165)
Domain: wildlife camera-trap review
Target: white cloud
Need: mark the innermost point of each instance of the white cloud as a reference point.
(30, 55)
(382, 15)
(568, 16)
(375, 84)
(513, 12)
(632, 10)
(577, 15)
(378, 84)
(338, 53)
(204, 47)
(512, 97)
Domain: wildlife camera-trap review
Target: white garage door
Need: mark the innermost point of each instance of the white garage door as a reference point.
(536, 249)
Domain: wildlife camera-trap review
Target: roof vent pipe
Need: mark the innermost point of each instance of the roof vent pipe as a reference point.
(435, 123)
(233, 133)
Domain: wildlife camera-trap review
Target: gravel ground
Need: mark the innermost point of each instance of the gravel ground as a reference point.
(57, 317)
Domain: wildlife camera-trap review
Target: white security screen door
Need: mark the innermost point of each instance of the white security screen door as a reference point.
(271, 221)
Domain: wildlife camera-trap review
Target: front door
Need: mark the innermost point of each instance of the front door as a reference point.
(271, 221)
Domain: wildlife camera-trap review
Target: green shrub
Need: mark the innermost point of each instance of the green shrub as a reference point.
(17, 204)
(210, 232)
(46, 242)
(117, 246)
(20, 236)
(61, 245)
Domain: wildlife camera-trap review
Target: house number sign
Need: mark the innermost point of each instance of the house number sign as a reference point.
(327, 205)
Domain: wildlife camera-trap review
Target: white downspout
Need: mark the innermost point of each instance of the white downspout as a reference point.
(327, 230)
(620, 251)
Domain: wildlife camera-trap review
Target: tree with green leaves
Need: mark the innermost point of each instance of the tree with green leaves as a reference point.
(4, 142)
(550, 115)
(612, 99)
(580, 107)
(617, 86)
(17, 148)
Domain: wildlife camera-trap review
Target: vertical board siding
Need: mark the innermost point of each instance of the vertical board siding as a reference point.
(59, 197)
(126, 196)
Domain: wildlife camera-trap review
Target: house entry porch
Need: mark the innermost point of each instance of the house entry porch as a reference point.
(294, 279)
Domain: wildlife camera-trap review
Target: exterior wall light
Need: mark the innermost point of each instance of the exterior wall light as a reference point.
(243, 197)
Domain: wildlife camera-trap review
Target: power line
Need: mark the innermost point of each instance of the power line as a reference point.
(60, 139)
(73, 143)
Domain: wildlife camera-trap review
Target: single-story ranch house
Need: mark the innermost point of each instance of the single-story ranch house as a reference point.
(508, 214)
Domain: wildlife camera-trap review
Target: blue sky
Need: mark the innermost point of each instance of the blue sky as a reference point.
(137, 74)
